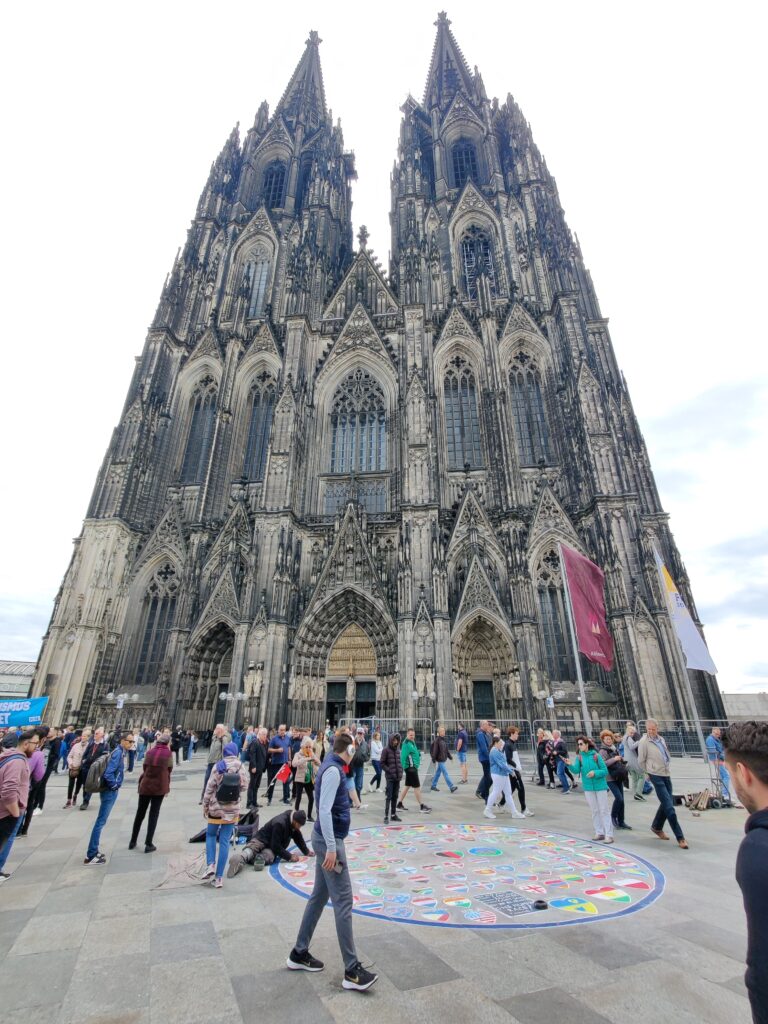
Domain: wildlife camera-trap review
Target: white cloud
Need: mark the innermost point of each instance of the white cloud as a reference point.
(648, 116)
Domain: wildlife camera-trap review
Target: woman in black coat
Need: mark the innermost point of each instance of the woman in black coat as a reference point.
(393, 772)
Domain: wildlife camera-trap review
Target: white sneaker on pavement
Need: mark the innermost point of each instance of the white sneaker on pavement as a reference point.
(488, 814)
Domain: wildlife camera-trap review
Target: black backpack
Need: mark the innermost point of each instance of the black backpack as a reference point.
(228, 791)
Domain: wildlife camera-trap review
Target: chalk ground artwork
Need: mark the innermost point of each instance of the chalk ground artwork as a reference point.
(469, 876)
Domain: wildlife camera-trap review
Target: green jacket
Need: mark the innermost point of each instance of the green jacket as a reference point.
(409, 755)
(590, 761)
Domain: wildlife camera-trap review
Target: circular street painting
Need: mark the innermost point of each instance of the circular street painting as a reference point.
(470, 876)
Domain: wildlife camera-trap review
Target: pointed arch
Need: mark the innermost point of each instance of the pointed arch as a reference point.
(462, 415)
(260, 412)
(358, 425)
(526, 391)
(202, 421)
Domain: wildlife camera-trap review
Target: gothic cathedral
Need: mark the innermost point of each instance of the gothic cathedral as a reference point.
(336, 491)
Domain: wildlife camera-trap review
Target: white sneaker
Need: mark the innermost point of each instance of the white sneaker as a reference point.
(362, 807)
(528, 813)
(608, 840)
(37, 810)
(488, 814)
(516, 814)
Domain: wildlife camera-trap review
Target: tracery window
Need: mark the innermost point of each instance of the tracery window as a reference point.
(358, 425)
(200, 432)
(274, 185)
(525, 387)
(159, 611)
(477, 257)
(462, 422)
(464, 157)
(262, 407)
(552, 619)
(255, 279)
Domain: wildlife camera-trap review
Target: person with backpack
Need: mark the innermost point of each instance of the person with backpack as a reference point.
(617, 777)
(15, 756)
(37, 778)
(393, 773)
(594, 777)
(154, 787)
(359, 761)
(221, 808)
(105, 777)
(96, 748)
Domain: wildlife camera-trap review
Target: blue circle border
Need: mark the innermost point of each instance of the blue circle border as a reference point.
(646, 901)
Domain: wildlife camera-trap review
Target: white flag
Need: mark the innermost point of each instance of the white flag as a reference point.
(691, 640)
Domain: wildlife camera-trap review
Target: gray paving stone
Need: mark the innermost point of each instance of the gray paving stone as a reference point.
(605, 946)
(122, 906)
(182, 942)
(51, 932)
(407, 960)
(66, 900)
(294, 993)
(182, 991)
(12, 923)
(20, 977)
(550, 1004)
(114, 936)
(15, 894)
(107, 987)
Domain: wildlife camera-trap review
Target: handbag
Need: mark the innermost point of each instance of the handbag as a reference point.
(74, 772)
(647, 788)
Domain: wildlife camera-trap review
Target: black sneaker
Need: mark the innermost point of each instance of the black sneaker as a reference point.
(425, 810)
(395, 818)
(401, 808)
(304, 962)
(98, 858)
(358, 978)
(386, 822)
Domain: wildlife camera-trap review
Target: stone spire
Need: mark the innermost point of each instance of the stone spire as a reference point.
(304, 99)
(448, 71)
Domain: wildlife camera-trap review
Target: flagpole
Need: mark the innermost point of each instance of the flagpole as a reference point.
(572, 629)
(681, 659)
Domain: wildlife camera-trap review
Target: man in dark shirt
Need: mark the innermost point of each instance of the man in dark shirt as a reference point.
(279, 753)
(257, 764)
(746, 754)
(271, 843)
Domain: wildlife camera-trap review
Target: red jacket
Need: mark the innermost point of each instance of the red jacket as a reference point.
(155, 779)
(14, 780)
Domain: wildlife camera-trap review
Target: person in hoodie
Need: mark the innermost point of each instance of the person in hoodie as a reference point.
(393, 773)
(111, 781)
(440, 754)
(15, 757)
(222, 818)
(746, 754)
(37, 777)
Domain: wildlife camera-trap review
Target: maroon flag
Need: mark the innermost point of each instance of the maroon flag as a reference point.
(585, 585)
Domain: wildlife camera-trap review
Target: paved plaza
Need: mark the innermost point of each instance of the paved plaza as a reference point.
(102, 944)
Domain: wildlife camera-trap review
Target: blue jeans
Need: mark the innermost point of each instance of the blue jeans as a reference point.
(666, 812)
(617, 811)
(5, 851)
(725, 782)
(107, 802)
(359, 775)
(563, 775)
(442, 770)
(376, 774)
(484, 785)
(224, 833)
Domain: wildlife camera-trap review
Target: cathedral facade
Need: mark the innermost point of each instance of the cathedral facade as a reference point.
(336, 491)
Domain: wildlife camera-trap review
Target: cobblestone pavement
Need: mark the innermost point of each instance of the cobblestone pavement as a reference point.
(101, 944)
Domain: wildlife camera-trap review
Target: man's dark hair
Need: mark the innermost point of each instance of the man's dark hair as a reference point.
(300, 818)
(25, 737)
(341, 742)
(10, 740)
(513, 728)
(748, 742)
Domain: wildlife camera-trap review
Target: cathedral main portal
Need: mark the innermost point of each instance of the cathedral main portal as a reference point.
(351, 676)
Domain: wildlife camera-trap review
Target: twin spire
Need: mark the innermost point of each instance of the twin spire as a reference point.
(304, 98)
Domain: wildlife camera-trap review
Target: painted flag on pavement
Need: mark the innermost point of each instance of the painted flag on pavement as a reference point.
(691, 640)
(585, 585)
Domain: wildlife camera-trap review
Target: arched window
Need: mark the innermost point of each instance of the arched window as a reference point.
(200, 432)
(274, 185)
(464, 157)
(159, 610)
(528, 410)
(462, 422)
(262, 407)
(552, 616)
(477, 257)
(359, 425)
(255, 278)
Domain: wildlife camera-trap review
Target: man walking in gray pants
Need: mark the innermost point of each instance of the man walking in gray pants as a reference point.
(332, 880)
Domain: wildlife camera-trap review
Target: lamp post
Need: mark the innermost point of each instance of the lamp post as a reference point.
(238, 698)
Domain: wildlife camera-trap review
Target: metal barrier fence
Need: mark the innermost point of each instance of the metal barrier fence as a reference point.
(526, 742)
(423, 727)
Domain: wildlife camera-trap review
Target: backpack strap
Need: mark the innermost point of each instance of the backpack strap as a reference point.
(14, 757)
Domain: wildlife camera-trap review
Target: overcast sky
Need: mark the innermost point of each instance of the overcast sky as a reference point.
(651, 117)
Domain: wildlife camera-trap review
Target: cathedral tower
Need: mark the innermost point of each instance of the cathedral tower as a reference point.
(338, 492)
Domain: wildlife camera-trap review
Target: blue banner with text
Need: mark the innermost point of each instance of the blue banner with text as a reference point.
(20, 713)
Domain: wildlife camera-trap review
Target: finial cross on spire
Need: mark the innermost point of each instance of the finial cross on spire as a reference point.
(314, 38)
(442, 17)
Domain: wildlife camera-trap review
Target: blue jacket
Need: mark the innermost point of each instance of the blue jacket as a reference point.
(715, 748)
(114, 772)
(499, 764)
(482, 746)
